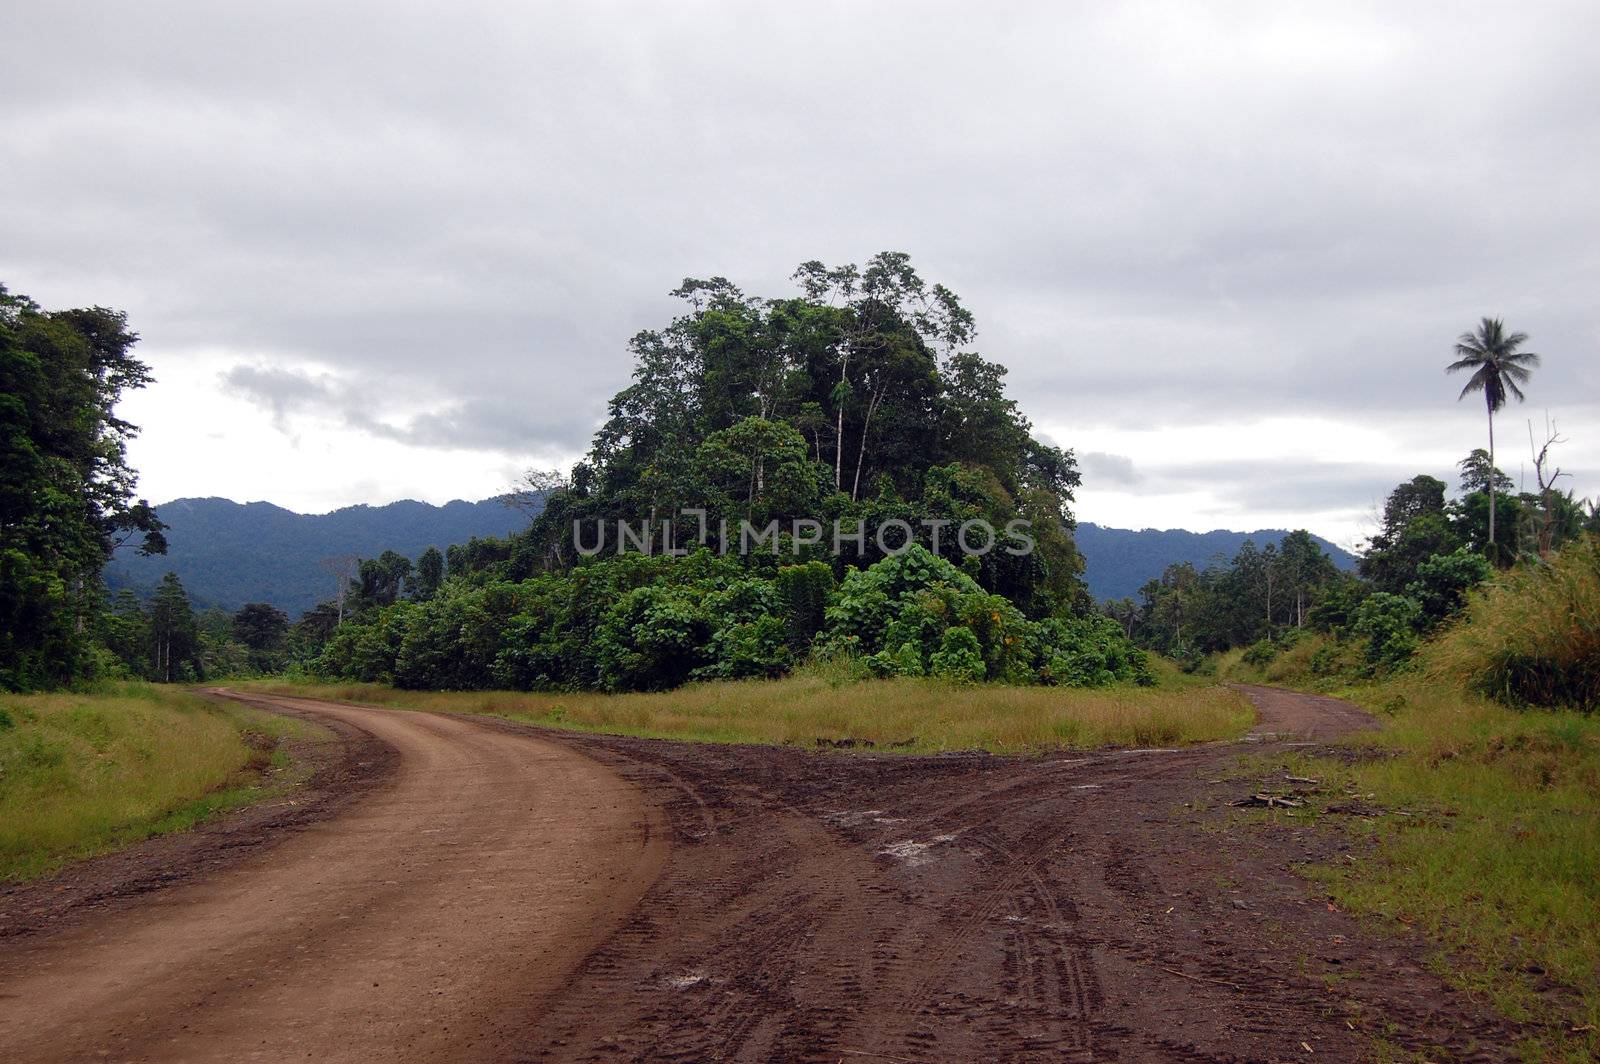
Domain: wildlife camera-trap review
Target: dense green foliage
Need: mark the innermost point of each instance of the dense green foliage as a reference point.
(1190, 612)
(66, 491)
(638, 622)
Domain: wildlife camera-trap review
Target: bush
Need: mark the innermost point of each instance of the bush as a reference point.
(959, 657)
(804, 591)
(1532, 637)
(1442, 583)
(1260, 654)
(1389, 622)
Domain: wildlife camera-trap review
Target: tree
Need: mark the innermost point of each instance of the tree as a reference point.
(174, 636)
(261, 627)
(66, 490)
(1478, 474)
(839, 403)
(379, 580)
(1440, 589)
(428, 576)
(1415, 528)
(1498, 370)
(1303, 571)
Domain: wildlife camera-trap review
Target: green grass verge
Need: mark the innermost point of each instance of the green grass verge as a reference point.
(85, 773)
(1488, 844)
(913, 716)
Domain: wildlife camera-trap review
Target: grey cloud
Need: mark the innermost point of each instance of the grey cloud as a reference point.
(1157, 213)
(1111, 468)
(1309, 487)
(286, 393)
(499, 425)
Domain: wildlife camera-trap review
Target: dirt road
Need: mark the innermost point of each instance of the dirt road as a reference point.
(426, 922)
(812, 907)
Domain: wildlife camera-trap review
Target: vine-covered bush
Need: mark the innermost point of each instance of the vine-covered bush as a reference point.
(1390, 623)
(633, 623)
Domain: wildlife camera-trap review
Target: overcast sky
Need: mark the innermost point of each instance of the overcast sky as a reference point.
(388, 250)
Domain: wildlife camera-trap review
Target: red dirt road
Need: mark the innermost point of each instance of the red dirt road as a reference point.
(425, 923)
(809, 907)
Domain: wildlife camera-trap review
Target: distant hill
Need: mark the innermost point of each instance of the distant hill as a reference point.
(228, 553)
(1120, 560)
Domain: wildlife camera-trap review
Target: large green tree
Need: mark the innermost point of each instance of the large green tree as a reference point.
(857, 400)
(1498, 369)
(1415, 528)
(66, 490)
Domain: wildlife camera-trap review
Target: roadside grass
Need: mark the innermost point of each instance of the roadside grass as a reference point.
(85, 773)
(1316, 662)
(1486, 840)
(910, 716)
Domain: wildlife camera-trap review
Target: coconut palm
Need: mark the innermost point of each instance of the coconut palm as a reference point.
(1498, 369)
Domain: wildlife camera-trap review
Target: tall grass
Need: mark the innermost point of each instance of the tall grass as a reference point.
(1532, 636)
(915, 716)
(84, 773)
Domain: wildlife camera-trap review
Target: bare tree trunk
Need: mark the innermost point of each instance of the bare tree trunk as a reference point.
(838, 440)
(861, 455)
(1490, 405)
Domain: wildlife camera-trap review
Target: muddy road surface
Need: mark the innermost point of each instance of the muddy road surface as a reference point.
(517, 894)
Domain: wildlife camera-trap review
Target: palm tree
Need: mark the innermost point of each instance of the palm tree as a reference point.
(1497, 369)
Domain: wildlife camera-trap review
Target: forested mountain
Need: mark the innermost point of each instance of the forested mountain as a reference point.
(228, 553)
(1119, 560)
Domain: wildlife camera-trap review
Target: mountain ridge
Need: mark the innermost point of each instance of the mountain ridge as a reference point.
(228, 553)
(1120, 560)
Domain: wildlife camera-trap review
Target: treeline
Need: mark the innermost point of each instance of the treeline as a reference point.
(852, 405)
(1414, 575)
(1190, 612)
(166, 640)
(639, 622)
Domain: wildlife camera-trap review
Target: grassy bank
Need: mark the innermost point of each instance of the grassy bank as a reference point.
(1486, 839)
(914, 716)
(81, 774)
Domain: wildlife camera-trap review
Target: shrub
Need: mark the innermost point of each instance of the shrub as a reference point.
(959, 657)
(1260, 654)
(1443, 581)
(1389, 622)
(637, 623)
(804, 591)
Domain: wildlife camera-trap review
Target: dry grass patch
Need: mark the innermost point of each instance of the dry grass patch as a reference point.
(915, 716)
